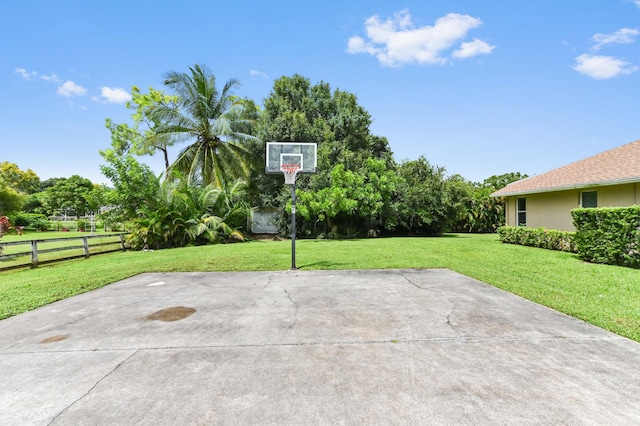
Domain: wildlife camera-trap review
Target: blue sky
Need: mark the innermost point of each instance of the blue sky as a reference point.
(478, 87)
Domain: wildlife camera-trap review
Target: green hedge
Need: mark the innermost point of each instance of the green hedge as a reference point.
(608, 235)
(538, 237)
(31, 221)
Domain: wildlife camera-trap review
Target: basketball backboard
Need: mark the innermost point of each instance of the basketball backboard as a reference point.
(303, 154)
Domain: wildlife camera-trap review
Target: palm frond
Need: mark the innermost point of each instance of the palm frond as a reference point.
(213, 120)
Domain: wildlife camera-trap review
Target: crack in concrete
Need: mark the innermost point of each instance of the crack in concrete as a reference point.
(449, 323)
(416, 285)
(268, 281)
(453, 309)
(92, 387)
(295, 315)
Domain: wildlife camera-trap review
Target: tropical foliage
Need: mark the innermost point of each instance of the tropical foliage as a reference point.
(213, 121)
(25, 182)
(134, 186)
(429, 201)
(76, 194)
(483, 213)
(359, 189)
(206, 190)
(11, 200)
(183, 214)
(353, 201)
(141, 138)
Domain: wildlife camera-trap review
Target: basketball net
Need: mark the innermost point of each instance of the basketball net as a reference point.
(290, 172)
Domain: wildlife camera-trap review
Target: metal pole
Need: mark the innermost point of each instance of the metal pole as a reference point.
(293, 226)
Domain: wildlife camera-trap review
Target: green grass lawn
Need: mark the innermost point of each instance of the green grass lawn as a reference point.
(606, 296)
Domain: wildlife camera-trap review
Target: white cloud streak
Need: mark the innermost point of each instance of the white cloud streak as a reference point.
(473, 48)
(622, 36)
(602, 67)
(257, 73)
(69, 89)
(397, 41)
(51, 77)
(25, 74)
(115, 95)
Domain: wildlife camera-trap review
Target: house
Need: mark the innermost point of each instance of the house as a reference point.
(608, 179)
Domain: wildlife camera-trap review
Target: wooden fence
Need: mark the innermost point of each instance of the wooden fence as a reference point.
(48, 250)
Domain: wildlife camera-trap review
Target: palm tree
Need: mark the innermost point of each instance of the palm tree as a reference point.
(213, 121)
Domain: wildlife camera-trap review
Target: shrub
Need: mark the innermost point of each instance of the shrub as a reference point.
(82, 225)
(40, 224)
(608, 235)
(34, 221)
(550, 239)
(5, 226)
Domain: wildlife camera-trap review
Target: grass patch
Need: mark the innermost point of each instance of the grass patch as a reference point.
(603, 295)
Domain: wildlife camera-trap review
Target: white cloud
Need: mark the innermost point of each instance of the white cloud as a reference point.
(473, 48)
(69, 89)
(24, 74)
(602, 67)
(116, 95)
(396, 41)
(637, 2)
(260, 73)
(622, 36)
(51, 77)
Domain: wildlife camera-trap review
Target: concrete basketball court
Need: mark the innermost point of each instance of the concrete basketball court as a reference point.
(311, 347)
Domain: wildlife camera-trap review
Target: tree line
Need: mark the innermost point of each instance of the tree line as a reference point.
(206, 192)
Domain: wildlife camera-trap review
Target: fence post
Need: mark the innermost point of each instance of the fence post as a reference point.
(34, 253)
(122, 241)
(85, 243)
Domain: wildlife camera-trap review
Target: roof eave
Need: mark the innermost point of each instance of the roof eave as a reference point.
(635, 179)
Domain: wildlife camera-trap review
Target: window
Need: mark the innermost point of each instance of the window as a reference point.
(589, 199)
(522, 212)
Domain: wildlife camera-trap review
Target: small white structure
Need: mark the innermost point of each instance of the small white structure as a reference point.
(262, 222)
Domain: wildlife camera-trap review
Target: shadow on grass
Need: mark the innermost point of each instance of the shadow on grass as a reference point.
(386, 237)
(322, 264)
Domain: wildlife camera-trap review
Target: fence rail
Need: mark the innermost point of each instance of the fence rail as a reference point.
(40, 250)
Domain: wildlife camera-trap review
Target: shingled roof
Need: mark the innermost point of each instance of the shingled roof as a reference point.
(616, 166)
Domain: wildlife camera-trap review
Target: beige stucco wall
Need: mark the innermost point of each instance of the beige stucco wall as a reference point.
(552, 210)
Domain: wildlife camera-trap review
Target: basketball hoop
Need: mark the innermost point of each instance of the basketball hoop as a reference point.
(290, 172)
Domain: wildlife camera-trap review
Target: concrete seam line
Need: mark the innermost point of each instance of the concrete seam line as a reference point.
(92, 387)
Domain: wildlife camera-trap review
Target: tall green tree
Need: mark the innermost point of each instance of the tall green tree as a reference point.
(26, 182)
(141, 138)
(212, 121)
(75, 193)
(429, 202)
(134, 186)
(298, 111)
(11, 200)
